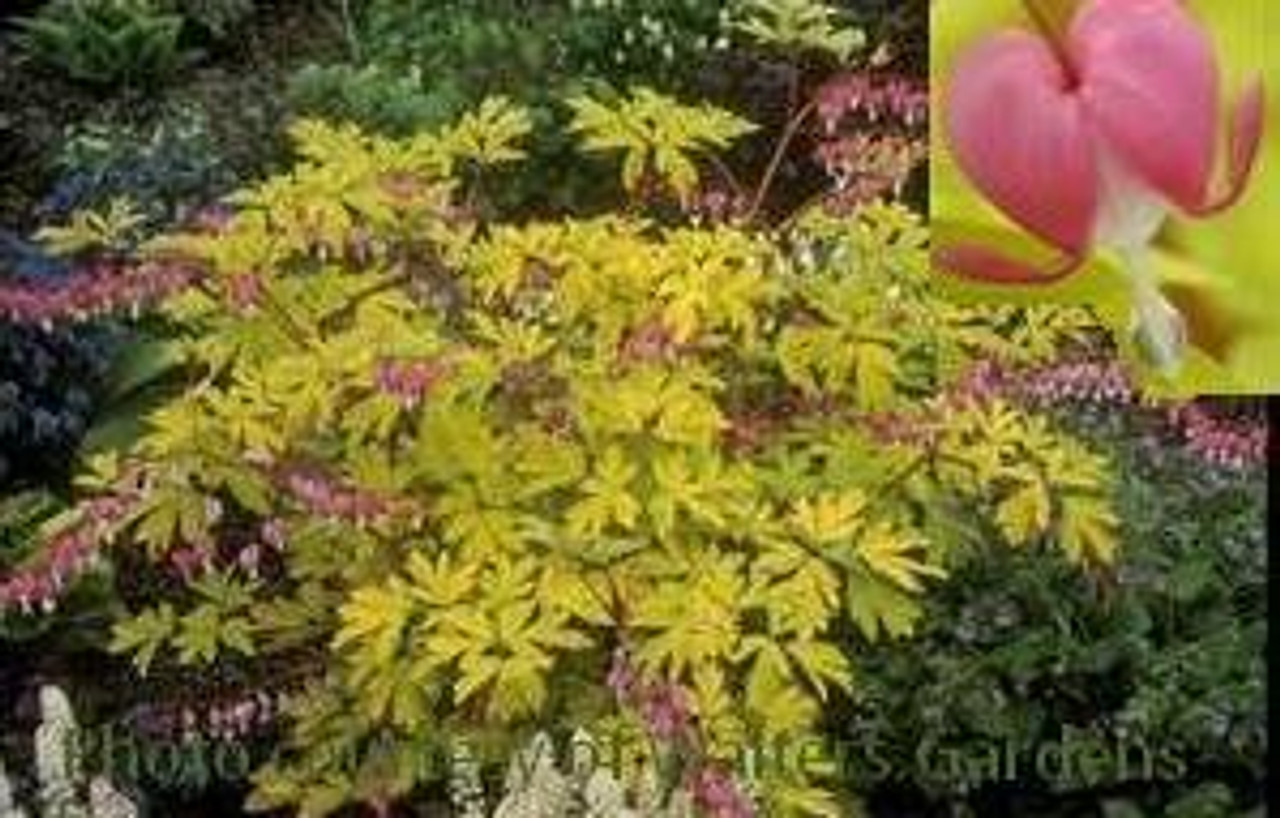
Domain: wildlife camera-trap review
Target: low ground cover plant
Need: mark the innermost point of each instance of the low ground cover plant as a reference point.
(1156, 674)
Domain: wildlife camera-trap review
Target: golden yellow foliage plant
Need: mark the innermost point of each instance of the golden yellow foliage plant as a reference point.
(472, 459)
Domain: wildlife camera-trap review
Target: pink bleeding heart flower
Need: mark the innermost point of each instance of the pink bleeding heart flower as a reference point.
(1089, 138)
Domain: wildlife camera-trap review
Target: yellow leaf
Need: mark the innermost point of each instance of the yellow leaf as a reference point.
(890, 554)
(829, 518)
(808, 801)
(376, 616)
(1025, 513)
(822, 663)
(477, 669)
(439, 583)
(875, 368)
(1088, 529)
(570, 592)
(877, 606)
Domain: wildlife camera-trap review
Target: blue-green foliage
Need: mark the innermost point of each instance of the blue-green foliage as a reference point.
(47, 385)
(164, 169)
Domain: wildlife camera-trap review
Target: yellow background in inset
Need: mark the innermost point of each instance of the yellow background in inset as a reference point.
(1224, 272)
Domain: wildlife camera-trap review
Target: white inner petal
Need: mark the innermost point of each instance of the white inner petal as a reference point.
(1129, 216)
(1129, 212)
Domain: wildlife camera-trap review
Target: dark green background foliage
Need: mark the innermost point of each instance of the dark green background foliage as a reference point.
(106, 43)
(216, 18)
(1021, 650)
(467, 49)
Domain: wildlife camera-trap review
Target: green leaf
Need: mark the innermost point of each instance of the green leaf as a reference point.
(199, 634)
(876, 606)
(655, 132)
(144, 634)
(875, 368)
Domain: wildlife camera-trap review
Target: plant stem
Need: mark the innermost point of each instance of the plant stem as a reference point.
(349, 29)
(728, 175)
(779, 154)
(294, 331)
(1053, 28)
(1159, 329)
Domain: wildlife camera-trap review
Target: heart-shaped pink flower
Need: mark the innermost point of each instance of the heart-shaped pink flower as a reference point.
(1090, 138)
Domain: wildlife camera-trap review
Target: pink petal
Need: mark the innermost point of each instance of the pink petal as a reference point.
(1246, 138)
(1019, 133)
(978, 263)
(1149, 81)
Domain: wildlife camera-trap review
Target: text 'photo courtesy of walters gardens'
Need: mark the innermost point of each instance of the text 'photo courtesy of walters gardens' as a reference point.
(636, 408)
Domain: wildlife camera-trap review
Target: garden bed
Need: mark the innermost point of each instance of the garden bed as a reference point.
(400, 400)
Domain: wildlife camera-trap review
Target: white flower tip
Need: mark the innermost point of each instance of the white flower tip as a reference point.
(1161, 334)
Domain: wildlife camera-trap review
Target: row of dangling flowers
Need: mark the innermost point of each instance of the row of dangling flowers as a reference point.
(1226, 443)
(74, 550)
(99, 289)
(886, 142)
(37, 586)
(1230, 443)
(666, 710)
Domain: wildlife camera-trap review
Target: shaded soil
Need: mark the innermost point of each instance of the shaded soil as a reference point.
(239, 83)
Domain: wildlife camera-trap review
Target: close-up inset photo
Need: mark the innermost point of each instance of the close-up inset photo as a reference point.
(1123, 155)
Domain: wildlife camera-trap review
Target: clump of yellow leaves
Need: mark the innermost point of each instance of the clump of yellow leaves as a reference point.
(515, 452)
(656, 135)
